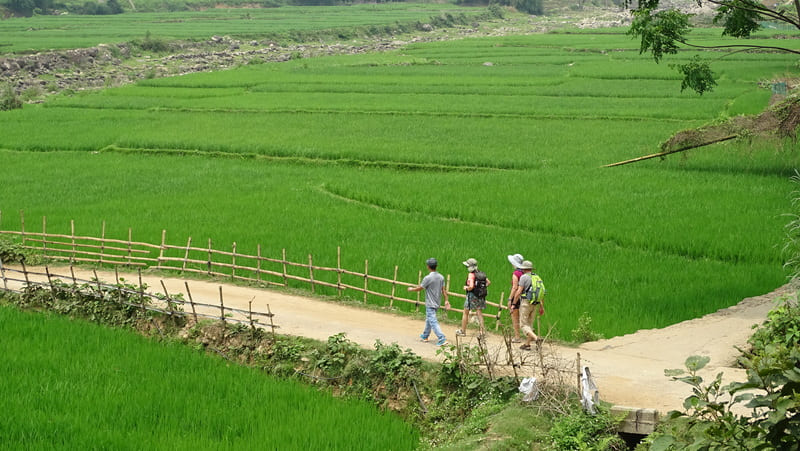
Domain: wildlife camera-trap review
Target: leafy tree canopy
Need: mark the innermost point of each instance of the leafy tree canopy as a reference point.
(663, 30)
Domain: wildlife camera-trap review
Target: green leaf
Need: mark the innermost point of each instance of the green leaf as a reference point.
(662, 443)
(697, 362)
(697, 76)
(673, 372)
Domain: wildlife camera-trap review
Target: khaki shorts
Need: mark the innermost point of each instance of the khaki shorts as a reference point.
(527, 313)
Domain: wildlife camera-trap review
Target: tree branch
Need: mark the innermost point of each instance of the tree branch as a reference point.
(763, 10)
(661, 154)
(742, 46)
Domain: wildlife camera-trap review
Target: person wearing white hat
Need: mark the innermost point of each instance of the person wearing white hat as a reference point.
(475, 286)
(513, 303)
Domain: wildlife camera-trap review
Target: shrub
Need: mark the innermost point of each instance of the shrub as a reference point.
(584, 331)
(581, 431)
(8, 98)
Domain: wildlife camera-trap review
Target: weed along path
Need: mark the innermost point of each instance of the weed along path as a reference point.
(628, 370)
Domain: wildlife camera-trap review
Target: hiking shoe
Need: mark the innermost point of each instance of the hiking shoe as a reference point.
(423, 338)
(441, 342)
(460, 333)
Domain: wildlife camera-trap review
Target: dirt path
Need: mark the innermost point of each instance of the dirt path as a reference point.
(629, 370)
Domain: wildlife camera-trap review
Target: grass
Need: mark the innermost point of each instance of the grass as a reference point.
(75, 385)
(285, 23)
(428, 152)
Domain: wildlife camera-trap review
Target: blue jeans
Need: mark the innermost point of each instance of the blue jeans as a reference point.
(432, 322)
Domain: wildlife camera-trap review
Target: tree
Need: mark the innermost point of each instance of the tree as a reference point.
(662, 31)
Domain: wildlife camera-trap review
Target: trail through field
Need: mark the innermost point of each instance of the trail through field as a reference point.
(629, 370)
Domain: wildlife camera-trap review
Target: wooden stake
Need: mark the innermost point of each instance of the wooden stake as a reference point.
(419, 282)
(74, 247)
(210, 256)
(499, 309)
(271, 324)
(311, 273)
(130, 240)
(339, 271)
(169, 302)
(580, 390)
(163, 246)
(250, 314)
(394, 285)
(366, 278)
(221, 307)
(72, 272)
(99, 288)
(233, 261)
(102, 241)
(44, 237)
(22, 225)
(25, 272)
(283, 259)
(186, 254)
(3, 275)
(119, 287)
(258, 264)
(141, 291)
(191, 301)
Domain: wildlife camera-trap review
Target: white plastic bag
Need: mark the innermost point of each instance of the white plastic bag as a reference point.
(529, 388)
(589, 393)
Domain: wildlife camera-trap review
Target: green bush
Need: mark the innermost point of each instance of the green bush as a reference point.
(581, 431)
(8, 98)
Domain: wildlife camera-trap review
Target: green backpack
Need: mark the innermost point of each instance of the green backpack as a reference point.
(535, 293)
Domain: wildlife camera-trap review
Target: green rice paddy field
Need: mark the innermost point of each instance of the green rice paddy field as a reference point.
(73, 31)
(70, 384)
(430, 151)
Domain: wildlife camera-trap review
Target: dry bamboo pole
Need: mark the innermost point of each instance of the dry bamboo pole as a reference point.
(394, 285)
(72, 272)
(311, 273)
(102, 241)
(258, 263)
(419, 282)
(447, 289)
(221, 309)
(339, 270)
(3, 274)
(186, 254)
(366, 279)
(233, 260)
(99, 288)
(210, 256)
(250, 314)
(44, 236)
(130, 244)
(169, 302)
(163, 246)
(580, 392)
(499, 310)
(191, 301)
(283, 260)
(74, 246)
(22, 225)
(141, 292)
(119, 287)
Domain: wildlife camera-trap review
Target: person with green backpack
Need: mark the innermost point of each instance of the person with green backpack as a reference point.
(531, 294)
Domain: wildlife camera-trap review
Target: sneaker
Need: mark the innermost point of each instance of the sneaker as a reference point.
(423, 338)
(460, 333)
(441, 342)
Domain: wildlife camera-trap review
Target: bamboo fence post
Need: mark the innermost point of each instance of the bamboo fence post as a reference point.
(44, 236)
(210, 256)
(141, 292)
(186, 255)
(163, 246)
(221, 308)
(3, 274)
(283, 260)
(366, 278)
(72, 272)
(22, 225)
(447, 312)
(119, 287)
(50, 281)
(419, 282)
(74, 247)
(99, 288)
(130, 241)
(258, 263)
(311, 273)
(102, 241)
(166, 293)
(233, 261)
(580, 392)
(1, 218)
(250, 314)
(339, 270)
(499, 310)
(191, 301)
(394, 285)
(25, 272)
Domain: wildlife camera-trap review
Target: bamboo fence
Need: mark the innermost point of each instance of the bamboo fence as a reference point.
(18, 281)
(229, 263)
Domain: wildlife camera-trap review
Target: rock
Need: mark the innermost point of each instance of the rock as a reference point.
(427, 27)
(488, 63)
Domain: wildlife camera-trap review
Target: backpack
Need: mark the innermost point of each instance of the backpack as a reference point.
(536, 292)
(479, 289)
